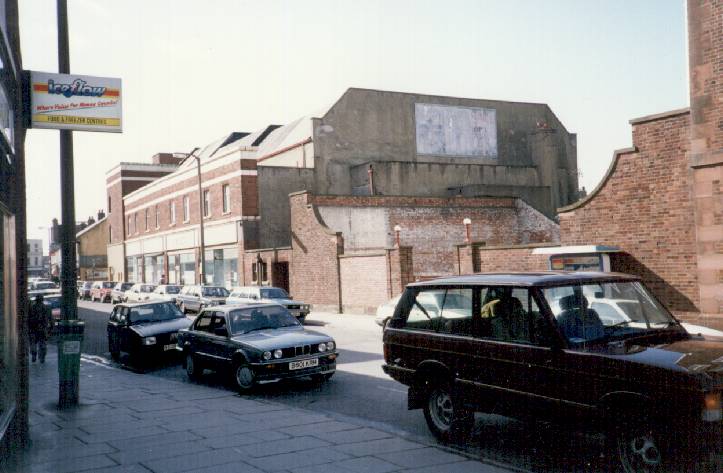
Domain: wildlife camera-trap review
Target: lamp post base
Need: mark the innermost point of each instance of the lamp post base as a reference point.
(70, 337)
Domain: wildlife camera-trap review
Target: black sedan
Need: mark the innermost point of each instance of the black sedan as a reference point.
(257, 344)
(144, 331)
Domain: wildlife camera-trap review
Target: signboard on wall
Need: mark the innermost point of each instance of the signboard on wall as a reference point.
(444, 130)
(75, 102)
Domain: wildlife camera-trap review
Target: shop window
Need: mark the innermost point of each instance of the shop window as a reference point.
(259, 274)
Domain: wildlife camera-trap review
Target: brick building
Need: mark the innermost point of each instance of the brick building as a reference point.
(661, 201)
(91, 250)
(370, 162)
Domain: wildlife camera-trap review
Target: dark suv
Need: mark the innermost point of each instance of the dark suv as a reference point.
(530, 345)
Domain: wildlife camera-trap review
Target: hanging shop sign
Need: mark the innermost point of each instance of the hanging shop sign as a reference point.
(75, 102)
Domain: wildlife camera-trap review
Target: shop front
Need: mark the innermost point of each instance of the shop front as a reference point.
(221, 266)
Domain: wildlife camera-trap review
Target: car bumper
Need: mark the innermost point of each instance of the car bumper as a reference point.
(278, 370)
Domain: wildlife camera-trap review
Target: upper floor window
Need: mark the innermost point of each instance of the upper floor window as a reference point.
(158, 216)
(172, 212)
(108, 204)
(186, 209)
(135, 222)
(148, 222)
(130, 229)
(206, 203)
(226, 198)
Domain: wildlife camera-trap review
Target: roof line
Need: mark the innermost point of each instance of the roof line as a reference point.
(283, 150)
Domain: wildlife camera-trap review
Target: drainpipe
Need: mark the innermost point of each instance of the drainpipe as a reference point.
(370, 173)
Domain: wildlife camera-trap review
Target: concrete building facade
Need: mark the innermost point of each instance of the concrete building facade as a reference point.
(35, 257)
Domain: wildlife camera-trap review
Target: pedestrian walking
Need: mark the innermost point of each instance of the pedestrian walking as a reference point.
(40, 322)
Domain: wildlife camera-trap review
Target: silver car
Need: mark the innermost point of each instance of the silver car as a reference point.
(269, 294)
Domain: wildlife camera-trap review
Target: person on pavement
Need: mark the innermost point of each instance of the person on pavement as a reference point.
(40, 323)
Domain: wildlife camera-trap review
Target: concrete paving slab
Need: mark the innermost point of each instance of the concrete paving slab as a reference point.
(296, 444)
(420, 457)
(238, 440)
(375, 447)
(365, 465)
(352, 436)
(118, 434)
(287, 461)
(67, 465)
(194, 461)
(461, 467)
(329, 426)
(150, 440)
(152, 452)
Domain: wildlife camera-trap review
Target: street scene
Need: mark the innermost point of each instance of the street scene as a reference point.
(361, 237)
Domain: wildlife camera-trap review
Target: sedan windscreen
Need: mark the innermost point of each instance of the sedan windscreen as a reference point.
(215, 292)
(147, 288)
(45, 285)
(260, 318)
(154, 313)
(273, 293)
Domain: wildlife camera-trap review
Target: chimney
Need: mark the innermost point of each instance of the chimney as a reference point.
(91, 221)
(168, 158)
(101, 215)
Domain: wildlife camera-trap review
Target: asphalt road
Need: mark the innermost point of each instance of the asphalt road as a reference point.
(361, 390)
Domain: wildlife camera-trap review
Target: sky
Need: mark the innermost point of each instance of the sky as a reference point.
(193, 71)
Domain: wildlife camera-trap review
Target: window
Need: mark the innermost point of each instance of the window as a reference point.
(186, 209)
(206, 203)
(135, 222)
(510, 314)
(425, 310)
(259, 272)
(226, 198)
(108, 204)
(110, 234)
(456, 316)
(172, 212)
(158, 217)
(130, 228)
(203, 324)
(148, 222)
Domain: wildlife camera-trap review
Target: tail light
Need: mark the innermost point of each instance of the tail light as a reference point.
(712, 407)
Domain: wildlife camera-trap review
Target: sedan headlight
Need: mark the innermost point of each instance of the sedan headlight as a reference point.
(322, 347)
(330, 346)
(149, 341)
(267, 355)
(278, 353)
(712, 407)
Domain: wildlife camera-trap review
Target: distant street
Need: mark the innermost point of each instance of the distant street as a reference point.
(360, 390)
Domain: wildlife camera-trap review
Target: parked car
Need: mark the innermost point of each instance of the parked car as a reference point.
(195, 298)
(145, 331)
(42, 285)
(166, 292)
(139, 293)
(259, 343)
(386, 310)
(269, 294)
(118, 293)
(530, 346)
(84, 290)
(100, 290)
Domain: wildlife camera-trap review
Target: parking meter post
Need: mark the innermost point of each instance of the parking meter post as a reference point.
(70, 330)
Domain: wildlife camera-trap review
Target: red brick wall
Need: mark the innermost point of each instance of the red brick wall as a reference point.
(401, 269)
(491, 259)
(644, 206)
(364, 282)
(314, 263)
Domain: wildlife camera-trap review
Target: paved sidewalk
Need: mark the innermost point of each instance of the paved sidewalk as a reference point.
(130, 422)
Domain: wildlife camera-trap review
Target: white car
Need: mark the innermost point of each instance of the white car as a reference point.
(386, 310)
(166, 292)
(139, 293)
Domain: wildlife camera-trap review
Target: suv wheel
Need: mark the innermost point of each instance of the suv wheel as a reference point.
(446, 418)
(639, 451)
(243, 377)
(193, 368)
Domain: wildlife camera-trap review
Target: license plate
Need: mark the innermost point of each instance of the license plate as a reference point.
(171, 346)
(297, 365)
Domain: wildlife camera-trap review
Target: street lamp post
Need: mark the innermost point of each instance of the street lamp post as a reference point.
(70, 329)
(202, 266)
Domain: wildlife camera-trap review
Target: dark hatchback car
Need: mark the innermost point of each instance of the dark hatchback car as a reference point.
(145, 331)
(528, 345)
(257, 344)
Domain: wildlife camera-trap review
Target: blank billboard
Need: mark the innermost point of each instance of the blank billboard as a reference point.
(456, 131)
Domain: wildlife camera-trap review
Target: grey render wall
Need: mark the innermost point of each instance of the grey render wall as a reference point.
(378, 127)
(274, 186)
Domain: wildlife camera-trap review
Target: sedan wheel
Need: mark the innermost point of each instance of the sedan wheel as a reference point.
(639, 451)
(244, 377)
(447, 420)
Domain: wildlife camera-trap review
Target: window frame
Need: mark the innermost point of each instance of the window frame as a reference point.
(172, 213)
(158, 217)
(226, 198)
(186, 209)
(206, 196)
